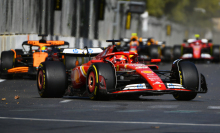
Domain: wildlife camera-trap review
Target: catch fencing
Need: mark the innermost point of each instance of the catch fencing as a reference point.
(79, 22)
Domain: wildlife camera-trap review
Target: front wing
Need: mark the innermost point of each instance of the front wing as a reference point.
(141, 89)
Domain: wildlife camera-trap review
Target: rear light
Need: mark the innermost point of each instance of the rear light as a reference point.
(155, 60)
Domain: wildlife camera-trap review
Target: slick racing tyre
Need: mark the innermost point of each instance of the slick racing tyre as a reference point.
(19, 51)
(185, 73)
(69, 62)
(177, 52)
(51, 79)
(100, 80)
(154, 52)
(167, 54)
(7, 62)
(216, 53)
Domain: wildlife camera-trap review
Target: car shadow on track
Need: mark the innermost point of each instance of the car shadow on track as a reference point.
(141, 99)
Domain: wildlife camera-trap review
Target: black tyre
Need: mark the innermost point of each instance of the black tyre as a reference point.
(100, 80)
(19, 51)
(51, 79)
(186, 74)
(7, 61)
(69, 62)
(216, 53)
(167, 54)
(154, 52)
(177, 52)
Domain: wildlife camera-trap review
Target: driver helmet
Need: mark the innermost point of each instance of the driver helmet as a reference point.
(44, 49)
(134, 37)
(197, 36)
(120, 59)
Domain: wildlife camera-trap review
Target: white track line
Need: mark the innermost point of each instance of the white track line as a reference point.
(65, 101)
(213, 107)
(1, 80)
(111, 122)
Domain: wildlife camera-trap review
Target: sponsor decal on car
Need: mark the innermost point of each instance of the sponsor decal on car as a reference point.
(157, 83)
(136, 65)
(75, 51)
(135, 86)
(181, 78)
(122, 69)
(174, 86)
(90, 50)
(154, 78)
(150, 74)
(140, 86)
(141, 67)
(146, 71)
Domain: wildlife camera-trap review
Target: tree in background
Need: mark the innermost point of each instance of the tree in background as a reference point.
(191, 13)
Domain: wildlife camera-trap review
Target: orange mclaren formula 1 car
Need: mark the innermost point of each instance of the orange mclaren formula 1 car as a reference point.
(118, 73)
(26, 61)
(147, 48)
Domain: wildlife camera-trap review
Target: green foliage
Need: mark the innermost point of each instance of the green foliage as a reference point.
(192, 13)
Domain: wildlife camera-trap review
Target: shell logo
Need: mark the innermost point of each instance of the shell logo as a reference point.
(146, 71)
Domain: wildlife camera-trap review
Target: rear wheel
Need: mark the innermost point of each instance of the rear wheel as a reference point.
(100, 79)
(7, 62)
(177, 52)
(187, 75)
(167, 54)
(51, 79)
(69, 62)
(154, 52)
(216, 53)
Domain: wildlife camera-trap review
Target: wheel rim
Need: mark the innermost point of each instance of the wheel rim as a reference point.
(40, 80)
(91, 81)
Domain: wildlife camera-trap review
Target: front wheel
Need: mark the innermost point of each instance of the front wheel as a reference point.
(186, 74)
(100, 80)
(7, 62)
(51, 79)
(216, 53)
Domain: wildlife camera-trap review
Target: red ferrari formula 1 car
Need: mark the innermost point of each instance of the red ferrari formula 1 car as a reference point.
(115, 73)
(197, 49)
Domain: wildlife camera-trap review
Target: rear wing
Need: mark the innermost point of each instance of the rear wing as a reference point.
(86, 52)
(47, 43)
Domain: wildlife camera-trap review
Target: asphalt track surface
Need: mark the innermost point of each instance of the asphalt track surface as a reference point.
(30, 113)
